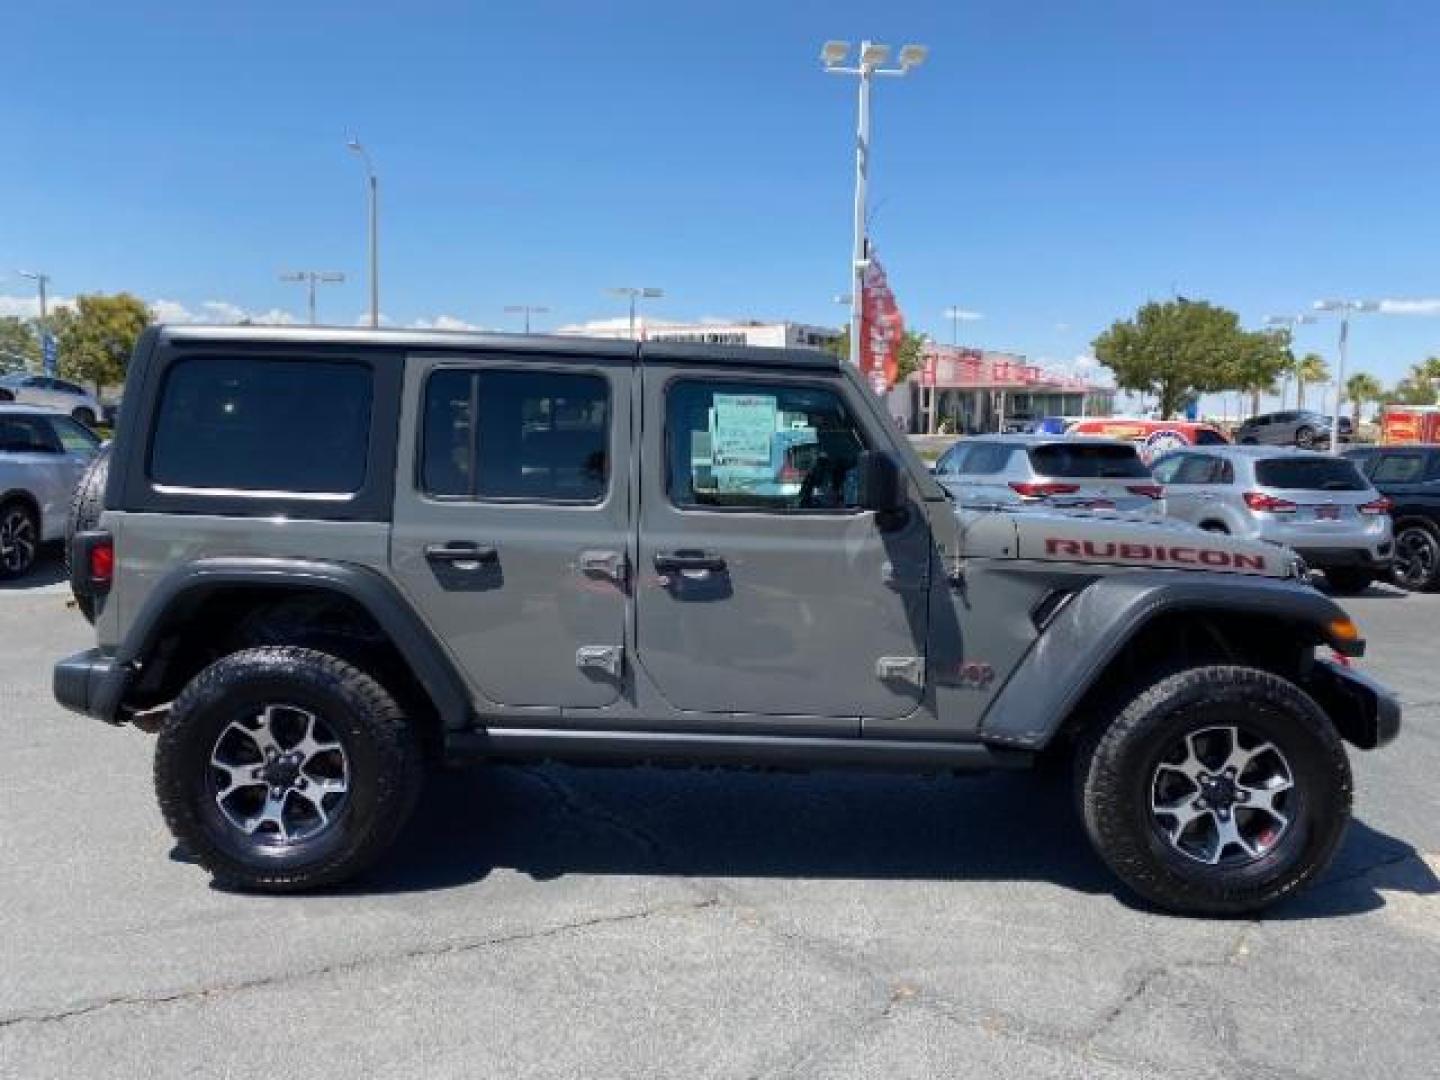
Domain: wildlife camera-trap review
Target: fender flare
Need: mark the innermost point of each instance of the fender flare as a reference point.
(1089, 632)
(432, 666)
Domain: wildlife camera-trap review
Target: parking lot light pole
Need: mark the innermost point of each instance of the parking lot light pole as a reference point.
(870, 62)
(1344, 308)
(312, 278)
(635, 293)
(528, 309)
(42, 287)
(373, 192)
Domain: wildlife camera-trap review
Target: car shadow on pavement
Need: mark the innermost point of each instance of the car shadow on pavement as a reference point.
(550, 821)
(49, 569)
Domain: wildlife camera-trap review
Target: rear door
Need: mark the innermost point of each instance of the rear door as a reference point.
(753, 598)
(512, 514)
(1180, 497)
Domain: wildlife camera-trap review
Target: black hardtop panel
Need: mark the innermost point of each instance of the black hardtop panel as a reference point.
(540, 346)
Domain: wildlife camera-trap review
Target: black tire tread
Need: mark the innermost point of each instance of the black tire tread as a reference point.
(86, 505)
(1433, 529)
(386, 726)
(1100, 790)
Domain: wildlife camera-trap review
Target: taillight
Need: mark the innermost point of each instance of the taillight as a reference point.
(1150, 491)
(789, 474)
(1039, 491)
(102, 562)
(1269, 504)
(1376, 507)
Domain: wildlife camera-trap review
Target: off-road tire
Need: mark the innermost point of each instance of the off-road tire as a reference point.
(380, 746)
(1349, 580)
(1116, 765)
(86, 505)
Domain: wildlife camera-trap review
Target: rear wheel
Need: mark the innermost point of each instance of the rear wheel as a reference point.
(1417, 558)
(19, 539)
(1217, 791)
(1349, 579)
(1305, 438)
(86, 505)
(285, 769)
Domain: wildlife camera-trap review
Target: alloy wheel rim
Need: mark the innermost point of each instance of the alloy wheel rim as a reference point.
(1222, 796)
(279, 776)
(17, 541)
(1416, 555)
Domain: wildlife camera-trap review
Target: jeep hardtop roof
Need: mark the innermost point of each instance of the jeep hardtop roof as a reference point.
(519, 345)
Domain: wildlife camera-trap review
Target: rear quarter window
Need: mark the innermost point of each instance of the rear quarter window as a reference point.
(1077, 460)
(1309, 474)
(263, 424)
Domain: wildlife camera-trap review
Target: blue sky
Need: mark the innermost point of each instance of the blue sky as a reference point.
(1052, 166)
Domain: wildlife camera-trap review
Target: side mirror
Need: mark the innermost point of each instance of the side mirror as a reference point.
(878, 483)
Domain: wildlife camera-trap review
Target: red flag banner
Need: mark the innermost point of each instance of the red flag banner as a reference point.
(882, 330)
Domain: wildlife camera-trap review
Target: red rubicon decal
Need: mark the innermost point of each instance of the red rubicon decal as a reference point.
(1159, 554)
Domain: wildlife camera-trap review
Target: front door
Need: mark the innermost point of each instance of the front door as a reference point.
(762, 588)
(512, 515)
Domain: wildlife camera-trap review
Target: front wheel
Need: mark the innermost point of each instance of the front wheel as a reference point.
(1217, 791)
(1305, 438)
(285, 769)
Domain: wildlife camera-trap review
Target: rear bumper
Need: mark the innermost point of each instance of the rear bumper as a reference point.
(1377, 557)
(92, 683)
(1366, 714)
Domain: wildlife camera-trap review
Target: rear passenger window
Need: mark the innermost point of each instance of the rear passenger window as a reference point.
(528, 436)
(272, 425)
(1398, 469)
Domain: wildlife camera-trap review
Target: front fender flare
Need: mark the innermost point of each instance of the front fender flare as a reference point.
(1092, 629)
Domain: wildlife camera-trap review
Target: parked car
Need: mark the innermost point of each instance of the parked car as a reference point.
(308, 604)
(42, 455)
(1153, 439)
(1321, 506)
(1294, 427)
(67, 397)
(1409, 476)
(1013, 470)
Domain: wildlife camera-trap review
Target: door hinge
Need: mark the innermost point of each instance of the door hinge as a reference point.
(909, 669)
(610, 564)
(607, 658)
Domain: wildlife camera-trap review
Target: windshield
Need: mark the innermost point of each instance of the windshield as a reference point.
(1309, 474)
(15, 378)
(1078, 460)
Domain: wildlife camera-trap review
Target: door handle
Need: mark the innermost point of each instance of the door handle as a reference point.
(672, 562)
(462, 551)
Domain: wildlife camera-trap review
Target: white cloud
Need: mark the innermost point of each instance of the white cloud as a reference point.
(1410, 307)
(223, 311)
(444, 322)
(962, 314)
(28, 307)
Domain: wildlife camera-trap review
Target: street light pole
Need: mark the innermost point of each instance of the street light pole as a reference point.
(872, 57)
(42, 285)
(528, 309)
(373, 193)
(1345, 308)
(635, 293)
(311, 278)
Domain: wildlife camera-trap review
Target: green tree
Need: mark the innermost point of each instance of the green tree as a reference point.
(97, 336)
(1259, 361)
(19, 345)
(912, 347)
(1310, 368)
(1360, 388)
(1179, 348)
(1419, 386)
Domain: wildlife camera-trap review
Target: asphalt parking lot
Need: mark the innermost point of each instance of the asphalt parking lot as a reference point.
(563, 922)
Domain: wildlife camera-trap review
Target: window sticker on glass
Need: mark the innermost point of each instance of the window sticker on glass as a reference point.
(742, 439)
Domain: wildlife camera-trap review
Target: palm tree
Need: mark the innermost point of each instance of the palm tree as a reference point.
(1360, 388)
(1311, 368)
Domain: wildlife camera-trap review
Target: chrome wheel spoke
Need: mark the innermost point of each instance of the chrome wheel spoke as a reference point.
(272, 813)
(309, 745)
(263, 734)
(1227, 835)
(1185, 812)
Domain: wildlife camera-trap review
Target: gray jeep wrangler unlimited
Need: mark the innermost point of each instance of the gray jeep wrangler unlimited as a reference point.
(317, 558)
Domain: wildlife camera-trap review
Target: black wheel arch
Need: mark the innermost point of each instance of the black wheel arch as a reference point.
(1127, 627)
(213, 606)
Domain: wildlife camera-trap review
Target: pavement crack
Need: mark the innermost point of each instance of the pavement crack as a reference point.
(442, 949)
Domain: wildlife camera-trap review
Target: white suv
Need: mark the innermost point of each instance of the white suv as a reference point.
(42, 454)
(68, 397)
